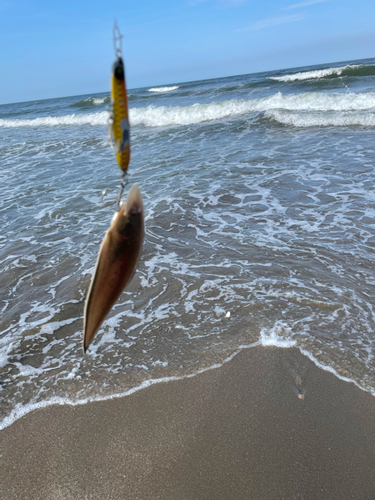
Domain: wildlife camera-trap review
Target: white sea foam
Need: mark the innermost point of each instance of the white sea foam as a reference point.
(278, 336)
(309, 75)
(98, 101)
(164, 89)
(343, 119)
(332, 370)
(162, 116)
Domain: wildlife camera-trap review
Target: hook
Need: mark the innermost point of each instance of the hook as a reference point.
(124, 182)
(117, 200)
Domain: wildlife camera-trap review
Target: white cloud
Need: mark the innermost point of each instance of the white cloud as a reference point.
(274, 21)
(306, 3)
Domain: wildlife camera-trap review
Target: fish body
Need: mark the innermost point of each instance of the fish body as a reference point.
(117, 260)
(119, 128)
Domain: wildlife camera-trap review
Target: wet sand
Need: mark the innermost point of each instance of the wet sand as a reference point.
(242, 431)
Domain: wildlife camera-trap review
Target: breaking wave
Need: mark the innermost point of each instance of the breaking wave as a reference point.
(349, 70)
(91, 102)
(164, 89)
(309, 102)
(331, 119)
(348, 108)
(55, 121)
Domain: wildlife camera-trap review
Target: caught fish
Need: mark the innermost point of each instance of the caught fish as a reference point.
(117, 260)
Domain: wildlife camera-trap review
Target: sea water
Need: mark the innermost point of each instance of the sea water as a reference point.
(259, 195)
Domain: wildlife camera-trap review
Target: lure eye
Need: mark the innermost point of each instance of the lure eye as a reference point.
(118, 69)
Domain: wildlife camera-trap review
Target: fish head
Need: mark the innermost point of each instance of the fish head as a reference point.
(130, 215)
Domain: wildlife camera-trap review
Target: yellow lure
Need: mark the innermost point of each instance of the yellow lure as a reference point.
(119, 122)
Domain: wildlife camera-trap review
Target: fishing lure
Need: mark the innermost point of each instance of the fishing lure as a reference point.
(122, 244)
(119, 130)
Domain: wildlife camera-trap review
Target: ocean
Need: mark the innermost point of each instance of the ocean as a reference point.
(259, 195)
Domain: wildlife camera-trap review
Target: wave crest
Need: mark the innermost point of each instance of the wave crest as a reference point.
(332, 119)
(164, 89)
(91, 102)
(54, 121)
(348, 70)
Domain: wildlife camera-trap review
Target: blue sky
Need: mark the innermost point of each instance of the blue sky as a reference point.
(52, 49)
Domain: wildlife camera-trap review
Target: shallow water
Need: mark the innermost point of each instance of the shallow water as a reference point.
(259, 198)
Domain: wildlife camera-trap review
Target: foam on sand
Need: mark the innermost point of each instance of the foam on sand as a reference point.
(277, 336)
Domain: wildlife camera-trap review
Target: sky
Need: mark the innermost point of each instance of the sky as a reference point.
(55, 49)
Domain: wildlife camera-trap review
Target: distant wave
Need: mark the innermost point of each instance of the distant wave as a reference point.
(91, 101)
(164, 89)
(162, 116)
(349, 70)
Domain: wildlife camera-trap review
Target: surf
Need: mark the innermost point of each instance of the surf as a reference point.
(361, 105)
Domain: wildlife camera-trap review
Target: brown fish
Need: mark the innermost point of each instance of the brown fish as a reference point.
(117, 260)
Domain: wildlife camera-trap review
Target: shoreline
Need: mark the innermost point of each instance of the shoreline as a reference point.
(240, 431)
(17, 414)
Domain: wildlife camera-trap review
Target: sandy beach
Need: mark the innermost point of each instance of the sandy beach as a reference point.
(237, 432)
